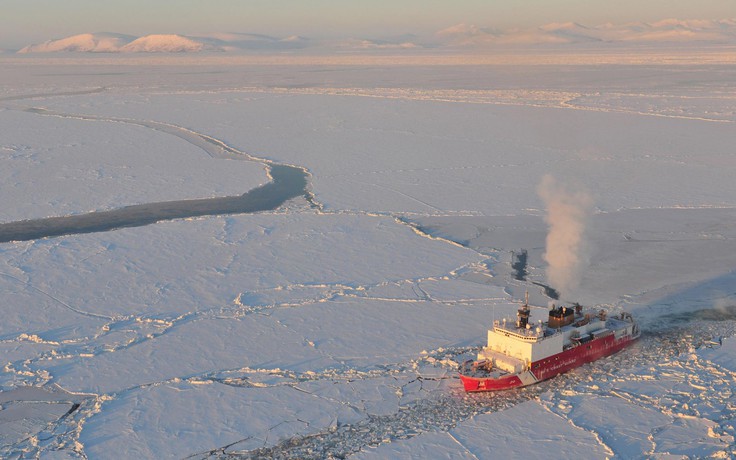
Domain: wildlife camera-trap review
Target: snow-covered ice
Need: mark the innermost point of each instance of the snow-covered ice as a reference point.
(206, 415)
(464, 157)
(112, 165)
(333, 327)
(527, 428)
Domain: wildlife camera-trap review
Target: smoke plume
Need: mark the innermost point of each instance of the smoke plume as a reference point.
(566, 253)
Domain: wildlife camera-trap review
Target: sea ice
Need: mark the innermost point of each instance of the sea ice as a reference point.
(335, 326)
(723, 355)
(102, 165)
(527, 429)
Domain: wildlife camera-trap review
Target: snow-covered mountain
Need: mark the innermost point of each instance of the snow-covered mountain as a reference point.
(95, 43)
(118, 43)
(166, 44)
(171, 43)
(244, 41)
(373, 44)
(665, 31)
(676, 30)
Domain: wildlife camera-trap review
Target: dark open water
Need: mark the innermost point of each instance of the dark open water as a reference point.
(288, 182)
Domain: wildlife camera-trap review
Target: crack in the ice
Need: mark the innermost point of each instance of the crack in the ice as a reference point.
(555, 398)
(56, 299)
(185, 134)
(334, 291)
(399, 192)
(60, 435)
(295, 386)
(462, 446)
(219, 451)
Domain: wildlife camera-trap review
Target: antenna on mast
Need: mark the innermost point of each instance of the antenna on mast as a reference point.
(526, 298)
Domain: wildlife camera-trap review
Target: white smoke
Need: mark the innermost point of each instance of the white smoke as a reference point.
(567, 251)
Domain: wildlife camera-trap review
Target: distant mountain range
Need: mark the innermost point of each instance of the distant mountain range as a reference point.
(460, 35)
(666, 31)
(104, 42)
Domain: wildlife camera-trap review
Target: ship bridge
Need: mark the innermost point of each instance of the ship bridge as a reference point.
(528, 334)
(526, 344)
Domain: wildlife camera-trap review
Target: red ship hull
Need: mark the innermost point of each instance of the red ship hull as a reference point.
(548, 367)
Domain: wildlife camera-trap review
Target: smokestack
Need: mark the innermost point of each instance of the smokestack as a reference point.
(566, 250)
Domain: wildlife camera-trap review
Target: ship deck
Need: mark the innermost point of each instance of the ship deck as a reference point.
(481, 370)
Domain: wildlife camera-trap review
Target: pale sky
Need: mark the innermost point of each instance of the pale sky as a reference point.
(31, 21)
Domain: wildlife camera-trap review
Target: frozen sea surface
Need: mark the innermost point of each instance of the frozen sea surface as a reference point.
(433, 156)
(333, 325)
(101, 165)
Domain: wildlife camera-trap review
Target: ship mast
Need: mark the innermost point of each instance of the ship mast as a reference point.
(522, 315)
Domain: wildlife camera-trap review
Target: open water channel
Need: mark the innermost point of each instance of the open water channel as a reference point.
(287, 182)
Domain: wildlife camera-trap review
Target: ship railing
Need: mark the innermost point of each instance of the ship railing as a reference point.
(527, 334)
